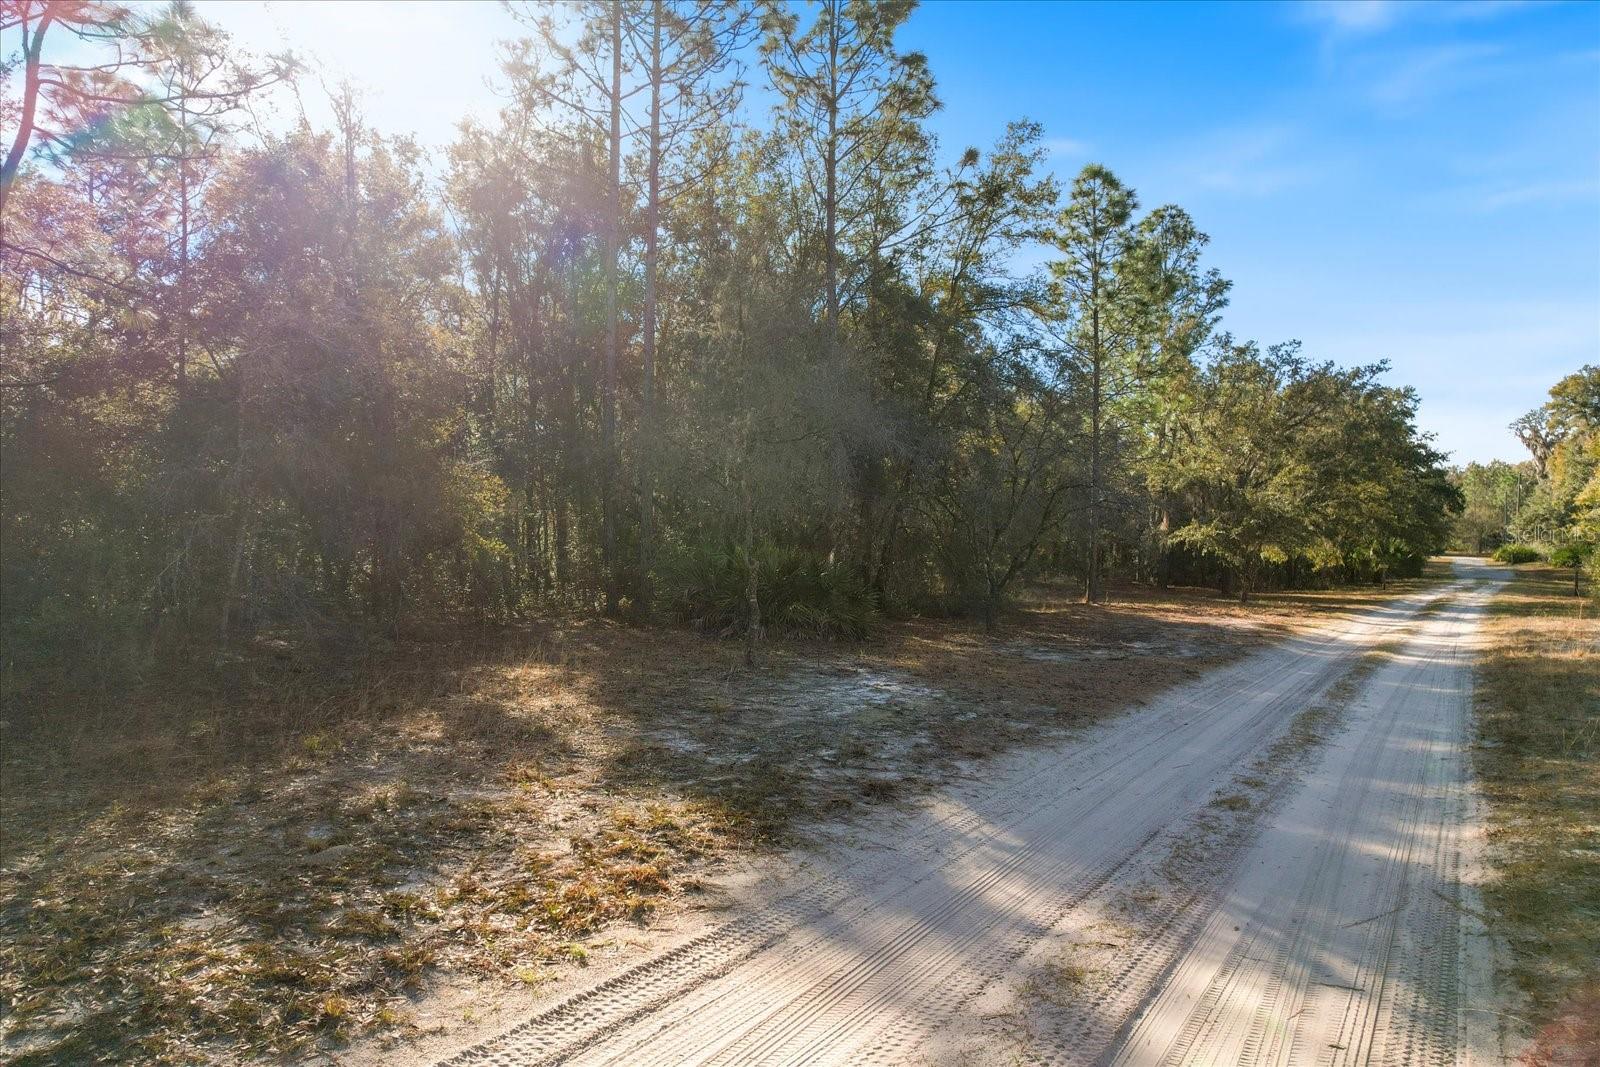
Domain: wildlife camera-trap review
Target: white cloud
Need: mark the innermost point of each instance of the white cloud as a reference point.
(1365, 18)
(1352, 16)
(1249, 161)
(1538, 192)
(1066, 148)
(1400, 80)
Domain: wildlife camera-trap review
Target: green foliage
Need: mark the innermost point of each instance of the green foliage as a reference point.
(1580, 556)
(1517, 553)
(1569, 555)
(263, 385)
(707, 587)
(1560, 503)
(1293, 466)
(1492, 493)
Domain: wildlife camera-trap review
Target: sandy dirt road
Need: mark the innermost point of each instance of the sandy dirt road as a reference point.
(1260, 867)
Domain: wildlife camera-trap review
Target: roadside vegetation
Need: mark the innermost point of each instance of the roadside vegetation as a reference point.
(1538, 751)
(1516, 553)
(1547, 507)
(271, 859)
(377, 529)
(774, 371)
(1538, 758)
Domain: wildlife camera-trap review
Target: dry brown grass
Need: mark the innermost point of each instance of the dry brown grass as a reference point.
(277, 855)
(1538, 758)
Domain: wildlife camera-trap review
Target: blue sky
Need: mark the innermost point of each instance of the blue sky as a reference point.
(1417, 182)
(1412, 182)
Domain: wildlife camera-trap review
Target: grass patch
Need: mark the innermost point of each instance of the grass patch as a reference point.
(1059, 983)
(272, 859)
(1538, 758)
(247, 937)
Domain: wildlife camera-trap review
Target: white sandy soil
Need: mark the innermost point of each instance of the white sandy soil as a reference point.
(1264, 866)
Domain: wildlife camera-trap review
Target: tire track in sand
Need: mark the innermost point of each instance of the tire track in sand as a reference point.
(865, 960)
(1339, 940)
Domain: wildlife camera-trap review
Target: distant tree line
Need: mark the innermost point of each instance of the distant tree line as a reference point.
(1546, 507)
(638, 353)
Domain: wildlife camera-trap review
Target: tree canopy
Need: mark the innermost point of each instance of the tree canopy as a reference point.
(1550, 504)
(642, 348)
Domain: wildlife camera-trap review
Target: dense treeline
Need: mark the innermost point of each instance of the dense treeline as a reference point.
(640, 350)
(1548, 506)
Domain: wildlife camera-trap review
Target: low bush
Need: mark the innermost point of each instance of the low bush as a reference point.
(1577, 556)
(1517, 553)
(708, 587)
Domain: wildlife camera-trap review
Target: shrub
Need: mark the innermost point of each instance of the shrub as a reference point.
(799, 593)
(1579, 556)
(1516, 553)
(1572, 554)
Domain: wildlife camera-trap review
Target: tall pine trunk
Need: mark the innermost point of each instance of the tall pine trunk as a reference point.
(608, 391)
(183, 262)
(1092, 593)
(752, 587)
(830, 205)
(652, 236)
